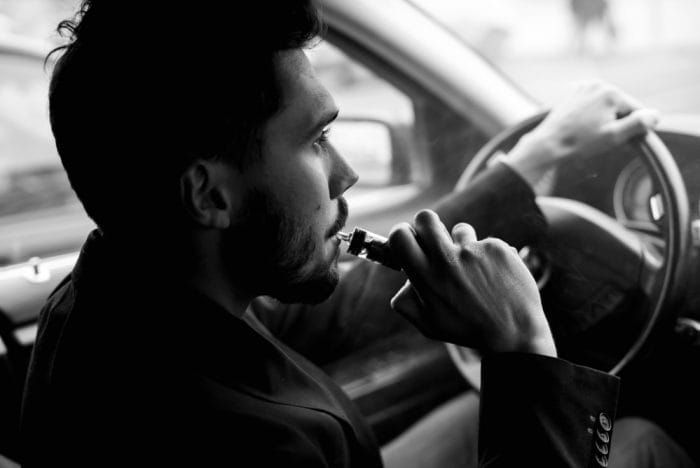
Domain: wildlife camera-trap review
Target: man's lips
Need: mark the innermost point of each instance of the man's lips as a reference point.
(334, 232)
(342, 218)
(337, 226)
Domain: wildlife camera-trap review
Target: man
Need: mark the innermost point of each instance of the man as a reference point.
(197, 141)
(586, 15)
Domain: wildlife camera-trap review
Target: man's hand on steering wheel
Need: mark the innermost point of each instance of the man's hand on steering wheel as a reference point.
(472, 293)
(596, 118)
(480, 294)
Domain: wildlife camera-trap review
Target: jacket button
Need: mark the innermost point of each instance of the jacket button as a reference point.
(603, 436)
(602, 460)
(602, 448)
(604, 421)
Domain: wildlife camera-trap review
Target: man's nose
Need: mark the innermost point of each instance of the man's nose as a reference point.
(342, 176)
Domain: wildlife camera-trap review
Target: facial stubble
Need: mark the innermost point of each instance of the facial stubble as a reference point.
(268, 252)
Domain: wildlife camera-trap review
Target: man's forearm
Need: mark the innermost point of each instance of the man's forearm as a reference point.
(498, 203)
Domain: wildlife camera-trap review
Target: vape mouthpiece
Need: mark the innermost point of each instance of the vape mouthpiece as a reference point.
(370, 246)
(344, 236)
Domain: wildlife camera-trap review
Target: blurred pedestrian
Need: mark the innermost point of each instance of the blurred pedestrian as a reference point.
(589, 15)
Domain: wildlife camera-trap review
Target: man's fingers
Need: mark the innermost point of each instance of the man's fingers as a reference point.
(405, 248)
(432, 235)
(635, 124)
(463, 234)
(625, 103)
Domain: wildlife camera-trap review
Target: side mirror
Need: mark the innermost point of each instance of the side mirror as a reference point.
(378, 151)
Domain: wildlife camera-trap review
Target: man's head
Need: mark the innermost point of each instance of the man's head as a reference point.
(206, 122)
(280, 215)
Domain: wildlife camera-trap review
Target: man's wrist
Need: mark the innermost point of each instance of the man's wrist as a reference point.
(535, 338)
(542, 345)
(530, 157)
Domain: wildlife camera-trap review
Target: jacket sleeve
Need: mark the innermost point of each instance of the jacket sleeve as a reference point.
(498, 203)
(545, 412)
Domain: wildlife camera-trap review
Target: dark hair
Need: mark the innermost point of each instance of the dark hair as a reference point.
(141, 91)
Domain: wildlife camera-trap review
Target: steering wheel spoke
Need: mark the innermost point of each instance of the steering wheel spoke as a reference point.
(584, 241)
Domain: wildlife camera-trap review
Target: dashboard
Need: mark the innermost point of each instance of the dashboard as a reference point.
(620, 184)
(635, 199)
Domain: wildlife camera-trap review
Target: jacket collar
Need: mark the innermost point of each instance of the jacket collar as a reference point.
(241, 354)
(238, 353)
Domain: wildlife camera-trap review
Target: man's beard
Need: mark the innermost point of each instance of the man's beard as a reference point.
(267, 252)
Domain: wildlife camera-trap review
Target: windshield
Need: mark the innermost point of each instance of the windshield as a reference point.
(649, 48)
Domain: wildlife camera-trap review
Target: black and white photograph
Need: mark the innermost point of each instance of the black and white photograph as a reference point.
(350, 234)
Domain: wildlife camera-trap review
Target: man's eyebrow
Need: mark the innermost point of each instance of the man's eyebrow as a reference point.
(323, 121)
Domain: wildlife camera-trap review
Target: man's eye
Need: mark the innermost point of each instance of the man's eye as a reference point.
(325, 133)
(322, 140)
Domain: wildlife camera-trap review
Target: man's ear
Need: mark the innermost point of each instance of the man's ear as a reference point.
(207, 193)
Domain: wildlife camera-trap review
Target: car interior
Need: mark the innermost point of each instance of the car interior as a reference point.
(422, 116)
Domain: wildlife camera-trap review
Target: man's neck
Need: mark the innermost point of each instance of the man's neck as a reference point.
(207, 274)
(216, 288)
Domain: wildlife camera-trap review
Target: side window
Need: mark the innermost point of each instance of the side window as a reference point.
(39, 213)
(374, 131)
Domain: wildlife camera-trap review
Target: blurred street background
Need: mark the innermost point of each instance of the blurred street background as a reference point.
(650, 48)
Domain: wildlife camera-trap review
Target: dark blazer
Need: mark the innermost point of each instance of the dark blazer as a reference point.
(119, 377)
(131, 369)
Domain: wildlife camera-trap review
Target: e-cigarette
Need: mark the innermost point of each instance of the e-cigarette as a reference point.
(370, 246)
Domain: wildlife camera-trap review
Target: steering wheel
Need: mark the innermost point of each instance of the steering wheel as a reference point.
(604, 288)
